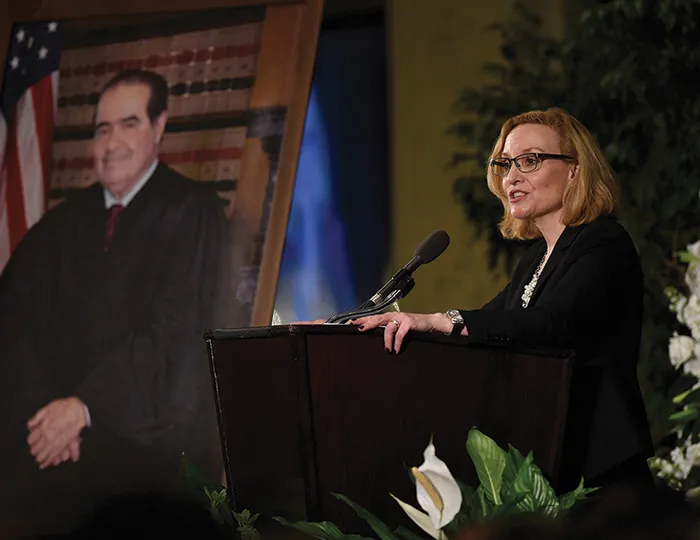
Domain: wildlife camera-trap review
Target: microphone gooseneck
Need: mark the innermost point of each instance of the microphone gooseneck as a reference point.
(401, 283)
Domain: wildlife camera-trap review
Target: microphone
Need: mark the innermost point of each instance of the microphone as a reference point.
(427, 251)
(401, 282)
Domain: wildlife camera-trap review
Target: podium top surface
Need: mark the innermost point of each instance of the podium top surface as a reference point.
(301, 330)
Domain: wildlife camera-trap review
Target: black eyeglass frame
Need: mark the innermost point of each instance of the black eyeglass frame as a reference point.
(540, 157)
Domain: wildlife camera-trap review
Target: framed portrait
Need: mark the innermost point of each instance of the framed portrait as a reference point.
(239, 74)
(103, 320)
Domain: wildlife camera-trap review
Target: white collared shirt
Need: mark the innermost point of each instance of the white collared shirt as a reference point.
(111, 200)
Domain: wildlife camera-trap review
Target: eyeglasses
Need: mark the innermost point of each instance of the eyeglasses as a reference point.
(525, 163)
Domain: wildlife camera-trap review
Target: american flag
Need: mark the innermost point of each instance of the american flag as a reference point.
(27, 110)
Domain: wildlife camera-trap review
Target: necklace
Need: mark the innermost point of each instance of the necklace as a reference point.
(530, 287)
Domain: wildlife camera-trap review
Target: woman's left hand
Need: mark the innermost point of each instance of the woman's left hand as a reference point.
(398, 324)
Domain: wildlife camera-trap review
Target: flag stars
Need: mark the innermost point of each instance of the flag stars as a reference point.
(43, 52)
(53, 26)
(14, 63)
(30, 43)
(21, 34)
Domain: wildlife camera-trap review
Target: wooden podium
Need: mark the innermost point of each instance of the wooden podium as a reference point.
(310, 410)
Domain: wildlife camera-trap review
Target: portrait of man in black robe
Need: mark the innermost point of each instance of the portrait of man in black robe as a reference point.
(104, 379)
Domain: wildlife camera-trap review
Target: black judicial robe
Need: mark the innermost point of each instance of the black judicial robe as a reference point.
(120, 329)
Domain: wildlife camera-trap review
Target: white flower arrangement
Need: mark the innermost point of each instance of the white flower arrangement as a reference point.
(680, 468)
(675, 469)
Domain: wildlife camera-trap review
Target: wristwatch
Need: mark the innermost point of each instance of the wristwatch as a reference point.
(457, 321)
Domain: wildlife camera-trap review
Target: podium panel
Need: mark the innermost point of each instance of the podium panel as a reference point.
(307, 411)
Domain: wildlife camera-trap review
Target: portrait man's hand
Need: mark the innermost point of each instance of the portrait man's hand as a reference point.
(72, 452)
(55, 429)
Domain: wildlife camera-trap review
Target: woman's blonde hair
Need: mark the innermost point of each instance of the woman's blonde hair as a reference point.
(593, 193)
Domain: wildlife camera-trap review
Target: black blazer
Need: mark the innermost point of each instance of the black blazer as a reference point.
(589, 298)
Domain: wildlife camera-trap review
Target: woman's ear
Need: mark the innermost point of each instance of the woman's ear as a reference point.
(573, 172)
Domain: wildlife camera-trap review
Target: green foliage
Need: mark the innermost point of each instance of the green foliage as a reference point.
(509, 484)
(323, 530)
(686, 420)
(630, 71)
(380, 529)
(642, 53)
(246, 524)
(214, 497)
(326, 530)
(687, 257)
(489, 461)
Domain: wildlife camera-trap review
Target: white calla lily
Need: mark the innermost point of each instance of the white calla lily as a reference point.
(437, 492)
(420, 519)
(436, 489)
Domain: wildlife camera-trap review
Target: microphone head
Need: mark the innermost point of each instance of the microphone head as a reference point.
(433, 246)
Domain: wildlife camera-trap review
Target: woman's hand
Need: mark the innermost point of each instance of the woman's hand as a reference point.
(398, 324)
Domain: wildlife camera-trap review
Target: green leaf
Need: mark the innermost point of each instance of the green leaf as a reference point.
(460, 522)
(687, 257)
(378, 526)
(490, 461)
(411, 476)
(516, 456)
(246, 527)
(686, 415)
(538, 495)
(508, 508)
(568, 500)
(689, 395)
(471, 504)
(514, 460)
(486, 506)
(324, 530)
(245, 518)
(406, 534)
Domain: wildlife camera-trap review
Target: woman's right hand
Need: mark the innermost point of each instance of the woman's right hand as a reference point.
(397, 324)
